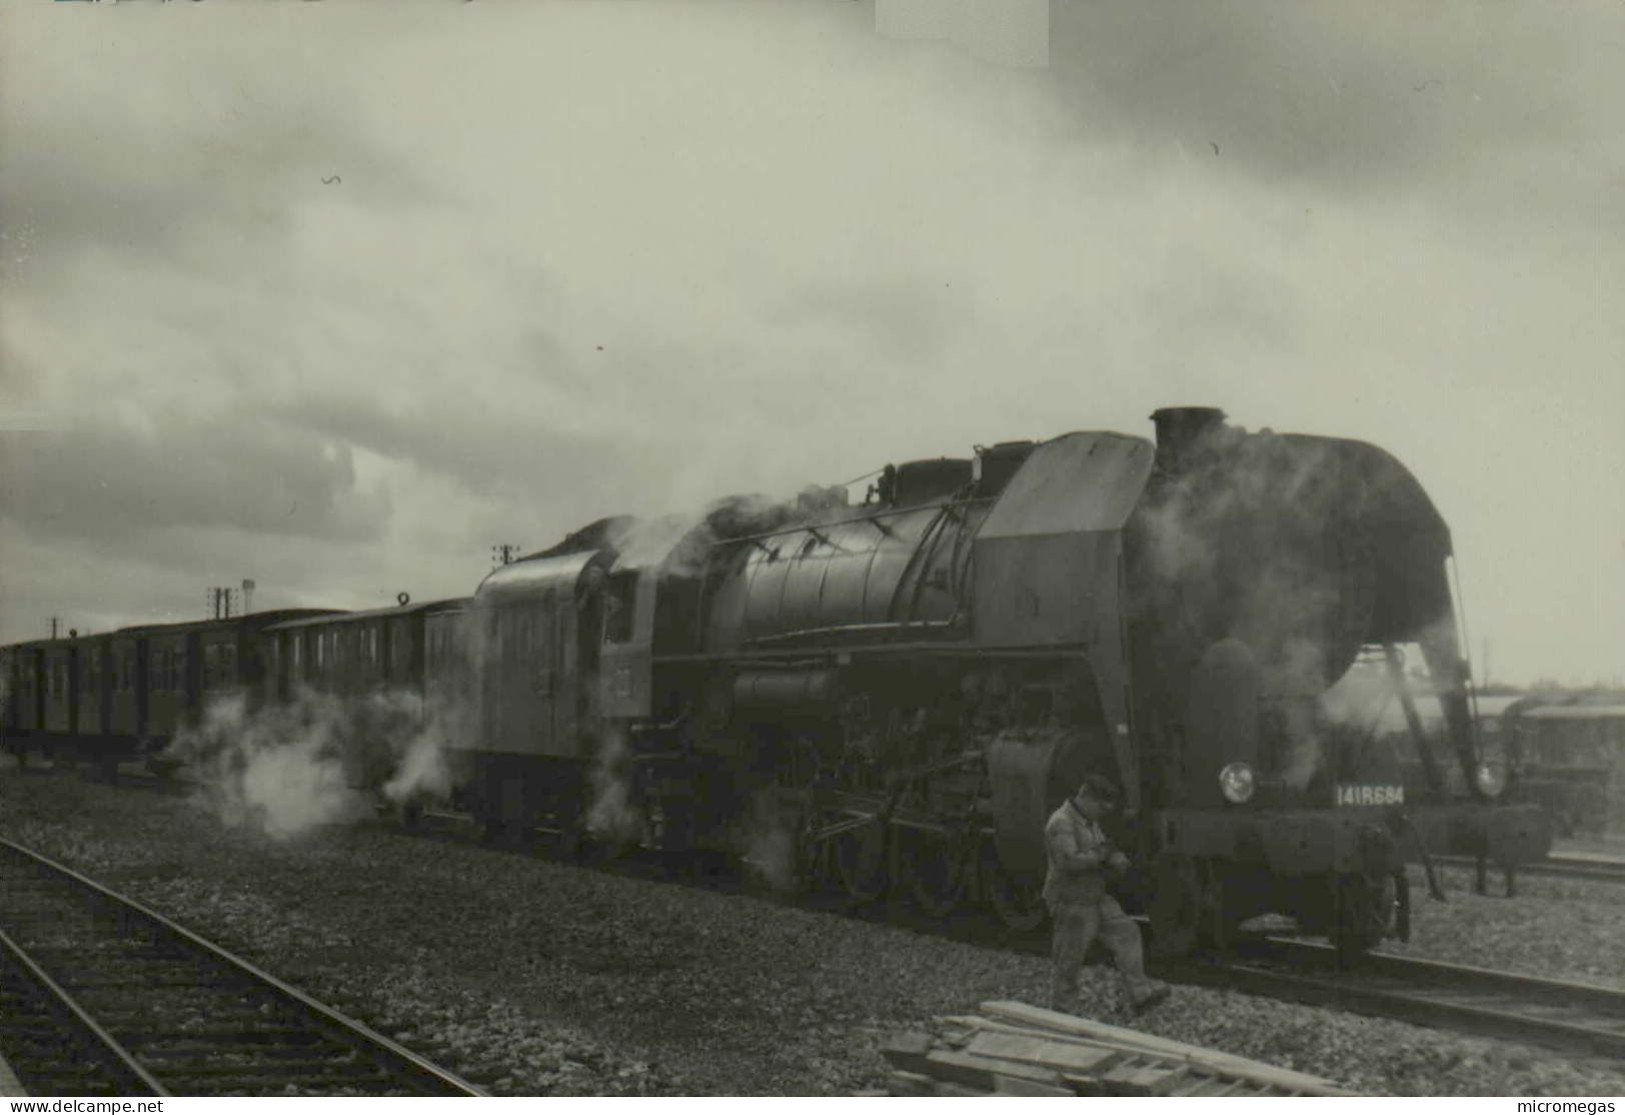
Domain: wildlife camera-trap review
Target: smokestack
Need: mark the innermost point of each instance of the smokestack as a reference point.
(1182, 431)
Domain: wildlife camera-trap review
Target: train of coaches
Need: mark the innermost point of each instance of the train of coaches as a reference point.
(895, 692)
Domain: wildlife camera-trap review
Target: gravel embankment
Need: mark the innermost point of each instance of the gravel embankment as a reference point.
(533, 978)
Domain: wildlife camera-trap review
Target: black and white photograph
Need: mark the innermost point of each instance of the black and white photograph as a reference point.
(812, 548)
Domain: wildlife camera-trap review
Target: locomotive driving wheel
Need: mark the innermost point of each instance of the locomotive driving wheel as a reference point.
(1017, 898)
(860, 858)
(937, 864)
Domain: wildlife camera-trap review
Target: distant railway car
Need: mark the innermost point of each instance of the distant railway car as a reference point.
(22, 686)
(170, 683)
(61, 667)
(94, 693)
(351, 654)
(448, 670)
(356, 677)
(106, 698)
(126, 700)
(1570, 755)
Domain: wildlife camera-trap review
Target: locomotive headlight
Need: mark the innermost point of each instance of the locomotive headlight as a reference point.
(1491, 779)
(1236, 782)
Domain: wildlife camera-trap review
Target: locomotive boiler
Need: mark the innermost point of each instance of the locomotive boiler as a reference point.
(893, 693)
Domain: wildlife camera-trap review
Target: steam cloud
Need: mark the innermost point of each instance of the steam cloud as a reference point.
(317, 760)
(612, 816)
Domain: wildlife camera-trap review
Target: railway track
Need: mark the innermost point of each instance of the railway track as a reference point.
(1594, 868)
(1573, 1018)
(101, 996)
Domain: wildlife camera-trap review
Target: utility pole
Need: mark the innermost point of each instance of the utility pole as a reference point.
(219, 599)
(55, 622)
(504, 553)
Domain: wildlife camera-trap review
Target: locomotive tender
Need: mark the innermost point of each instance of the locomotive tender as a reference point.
(895, 693)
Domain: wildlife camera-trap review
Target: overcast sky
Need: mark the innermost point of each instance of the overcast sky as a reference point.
(338, 295)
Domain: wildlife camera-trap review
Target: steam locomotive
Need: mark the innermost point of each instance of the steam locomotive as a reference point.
(892, 694)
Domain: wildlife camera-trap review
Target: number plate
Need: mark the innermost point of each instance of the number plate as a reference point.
(1350, 794)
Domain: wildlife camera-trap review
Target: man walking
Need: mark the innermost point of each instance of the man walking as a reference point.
(1075, 891)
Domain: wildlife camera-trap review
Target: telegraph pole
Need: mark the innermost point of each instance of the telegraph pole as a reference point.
(504, 553)
(219, 599)
(55, 623)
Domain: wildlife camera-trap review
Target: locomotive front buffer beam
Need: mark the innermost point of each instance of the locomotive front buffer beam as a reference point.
(1341, 873)
(1313, 841)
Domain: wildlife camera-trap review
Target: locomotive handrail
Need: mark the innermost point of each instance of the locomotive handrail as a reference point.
(874, 519)
(822, 653)
(862, 628)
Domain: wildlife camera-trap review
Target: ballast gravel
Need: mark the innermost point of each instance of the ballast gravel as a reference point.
(530, 977)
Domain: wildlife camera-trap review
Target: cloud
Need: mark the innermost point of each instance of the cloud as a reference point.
(1346, 98)
(589, 259)
(235, 473)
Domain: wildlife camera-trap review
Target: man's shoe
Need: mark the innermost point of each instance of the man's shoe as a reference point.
(1150, 999)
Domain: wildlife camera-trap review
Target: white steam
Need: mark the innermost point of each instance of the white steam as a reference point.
(317, 760)
(771, 842)
(612, 816)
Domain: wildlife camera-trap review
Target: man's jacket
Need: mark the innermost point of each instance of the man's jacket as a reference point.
(1078, 851)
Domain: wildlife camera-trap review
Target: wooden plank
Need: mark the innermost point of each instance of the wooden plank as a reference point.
(1209, 1058)
(911, 1043)
(1202, 1086)
(1063, 1056)
(1006, 1085)
(978, 1072)
(906, 1052)
(995, 1025)
(1146, 1080)
(901, 1083)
